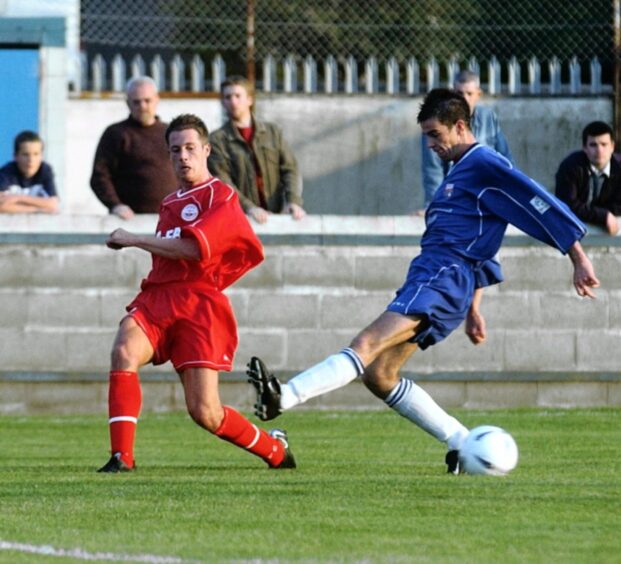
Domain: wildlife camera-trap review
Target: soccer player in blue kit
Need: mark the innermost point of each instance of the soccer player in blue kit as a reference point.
(465, 224)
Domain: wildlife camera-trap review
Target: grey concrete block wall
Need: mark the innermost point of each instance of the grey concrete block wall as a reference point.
(614, 309)
(457, 353)
(60, 307)
(319, 269)
(291, 311)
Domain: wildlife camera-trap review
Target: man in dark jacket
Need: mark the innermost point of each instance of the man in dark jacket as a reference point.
(253, 157)
(132, 171)
(589, 180)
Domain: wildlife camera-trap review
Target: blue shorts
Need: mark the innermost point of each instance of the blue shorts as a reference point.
(439, 289)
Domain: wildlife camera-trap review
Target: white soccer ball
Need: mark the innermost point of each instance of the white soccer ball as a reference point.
(488, 450)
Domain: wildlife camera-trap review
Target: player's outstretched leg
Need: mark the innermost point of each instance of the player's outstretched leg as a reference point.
(268, 390)
(415, 404)
(274, 397)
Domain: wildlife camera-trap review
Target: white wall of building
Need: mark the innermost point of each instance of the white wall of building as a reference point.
(358, 155)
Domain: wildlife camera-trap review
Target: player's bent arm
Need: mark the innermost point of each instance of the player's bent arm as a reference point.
(184, 248)
(476, 300)
(584, 274)
(475, 323)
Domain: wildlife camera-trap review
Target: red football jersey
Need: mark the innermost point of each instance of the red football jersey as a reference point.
(211, 214)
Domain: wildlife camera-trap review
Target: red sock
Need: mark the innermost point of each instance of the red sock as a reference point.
(236, 429)
(124, 402)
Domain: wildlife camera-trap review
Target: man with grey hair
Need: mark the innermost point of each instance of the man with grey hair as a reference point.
(485, 127)
(132, 172)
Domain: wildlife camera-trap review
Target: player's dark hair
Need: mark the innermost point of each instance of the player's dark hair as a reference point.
(188, 121)
(25, 137)
(595, 129)
(447, 106)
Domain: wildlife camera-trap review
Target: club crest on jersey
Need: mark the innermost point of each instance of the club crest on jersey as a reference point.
(540, 204)
(190, 212)
(448, 190)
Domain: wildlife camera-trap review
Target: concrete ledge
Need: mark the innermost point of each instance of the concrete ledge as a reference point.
(401, 230)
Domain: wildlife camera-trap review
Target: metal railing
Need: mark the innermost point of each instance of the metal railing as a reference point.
(347, 75)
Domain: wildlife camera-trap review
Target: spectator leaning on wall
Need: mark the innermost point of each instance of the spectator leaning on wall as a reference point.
(132, 172)
(253, 157)
(27, 182)
(589, 180)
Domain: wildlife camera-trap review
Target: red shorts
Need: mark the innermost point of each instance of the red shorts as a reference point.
(192, 328)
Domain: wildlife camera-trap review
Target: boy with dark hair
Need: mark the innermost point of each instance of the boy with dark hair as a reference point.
(27, 182)
(466, 221)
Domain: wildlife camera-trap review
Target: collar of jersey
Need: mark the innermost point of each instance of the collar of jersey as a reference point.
(468, 152)
(180, 194)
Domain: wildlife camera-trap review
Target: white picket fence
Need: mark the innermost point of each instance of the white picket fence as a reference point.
(312, 77)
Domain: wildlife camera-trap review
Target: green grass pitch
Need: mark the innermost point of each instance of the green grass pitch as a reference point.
(370, 487)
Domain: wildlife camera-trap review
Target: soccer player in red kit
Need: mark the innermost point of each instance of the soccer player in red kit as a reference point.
(202, 245)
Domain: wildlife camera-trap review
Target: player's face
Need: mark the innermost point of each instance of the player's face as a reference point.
(599, 150)
(470, 91)
(189, 155)
(142, 101)
(442, 139)
(29, 158)
(237, 103)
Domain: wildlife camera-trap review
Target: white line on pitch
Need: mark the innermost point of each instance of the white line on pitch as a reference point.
(80, 554)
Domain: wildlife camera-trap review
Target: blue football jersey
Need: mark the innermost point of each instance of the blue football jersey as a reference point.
(480, 196)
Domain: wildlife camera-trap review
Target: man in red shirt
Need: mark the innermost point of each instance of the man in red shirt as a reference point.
(203, 243)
